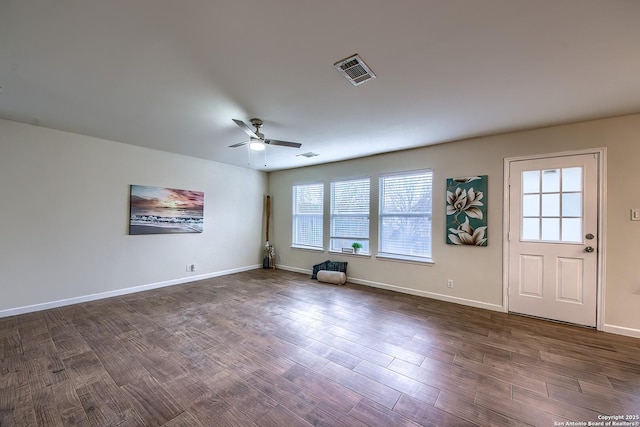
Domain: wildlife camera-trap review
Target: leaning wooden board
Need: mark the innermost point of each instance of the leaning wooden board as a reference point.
(269, 259)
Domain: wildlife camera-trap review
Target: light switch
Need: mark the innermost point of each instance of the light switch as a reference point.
(635, 214)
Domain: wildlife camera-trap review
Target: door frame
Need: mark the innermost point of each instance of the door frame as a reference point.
(601, 154)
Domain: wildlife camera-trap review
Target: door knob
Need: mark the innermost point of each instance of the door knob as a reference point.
(588, 249)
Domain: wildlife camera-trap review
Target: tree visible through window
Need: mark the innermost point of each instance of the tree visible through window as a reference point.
(307, 215)
(405, 215)
(350, 214)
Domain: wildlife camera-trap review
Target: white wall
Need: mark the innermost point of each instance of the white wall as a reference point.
(64, 203)
(477, 271)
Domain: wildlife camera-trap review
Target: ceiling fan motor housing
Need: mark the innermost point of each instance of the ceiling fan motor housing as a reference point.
(257, 123)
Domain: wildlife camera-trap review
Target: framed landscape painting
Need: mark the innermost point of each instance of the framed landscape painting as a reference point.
(467, 211)
(159, 210)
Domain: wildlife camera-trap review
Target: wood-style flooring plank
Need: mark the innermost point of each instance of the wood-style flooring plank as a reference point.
(426, 415)
(281, 416)
(472, 413)
(530, 399)
(16, 407)
(376, 415)
(269, 347)
(59, 405)
(337, 396)
(405, 385)
(107, 405)
(298, 400)
(361, 384)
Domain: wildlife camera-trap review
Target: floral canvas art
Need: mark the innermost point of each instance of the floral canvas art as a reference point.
(467, 211)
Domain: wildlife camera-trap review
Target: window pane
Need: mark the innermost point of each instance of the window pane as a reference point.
(350, 213)
(572, 230)
(550, 205)
(572, 179)
(405, 236)
(530, 229)
(350, 227)
(531, 205)
(405, 214)
(550, 180)
(531, 182)
(308, 231)
(550, 229)
(307, 219)
(572, 204)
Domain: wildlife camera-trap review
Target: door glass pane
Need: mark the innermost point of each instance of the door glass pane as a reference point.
(530, 229)
(550, 205)
(550, 229)
(572, 230)
(572, 179)
(531, 182)
(531, 205)
(572, 204)
(550, 181)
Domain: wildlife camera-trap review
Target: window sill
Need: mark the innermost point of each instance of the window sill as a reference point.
(359, 255)
(407, 259)
(307, 248)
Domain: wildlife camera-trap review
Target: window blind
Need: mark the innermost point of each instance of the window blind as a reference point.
(350, 214)
(405, 214)
(307, 215)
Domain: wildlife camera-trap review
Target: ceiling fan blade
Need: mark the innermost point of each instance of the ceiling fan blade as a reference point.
(246, 128)
(282, 143)
(239, 144)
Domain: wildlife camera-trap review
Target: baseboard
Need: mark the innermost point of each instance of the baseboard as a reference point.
(119, 292)
(294, 269)
(621, 330)
(410, 291)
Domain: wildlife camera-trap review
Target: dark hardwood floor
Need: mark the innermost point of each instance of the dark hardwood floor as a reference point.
(274, 348)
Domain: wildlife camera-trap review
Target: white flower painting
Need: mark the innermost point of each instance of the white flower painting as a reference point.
(467, 211)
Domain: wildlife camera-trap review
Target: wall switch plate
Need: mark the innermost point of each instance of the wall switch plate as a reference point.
(635, 214)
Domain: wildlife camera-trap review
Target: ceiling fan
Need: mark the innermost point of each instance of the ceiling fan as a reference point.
(257, 141)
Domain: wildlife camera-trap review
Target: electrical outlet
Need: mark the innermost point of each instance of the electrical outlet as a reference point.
(191, 267)
(450, 283)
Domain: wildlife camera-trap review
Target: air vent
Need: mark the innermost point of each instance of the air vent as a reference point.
(355, 70)
(308, 155)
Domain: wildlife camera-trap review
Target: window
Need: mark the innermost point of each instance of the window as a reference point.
(552, 205)
(307, 215)
(350, 214)
(405, 215)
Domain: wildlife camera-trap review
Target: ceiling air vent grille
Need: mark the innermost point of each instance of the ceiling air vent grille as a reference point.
(355, 70)
(308, 155)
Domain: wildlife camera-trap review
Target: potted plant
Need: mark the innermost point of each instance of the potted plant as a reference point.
(356, 247)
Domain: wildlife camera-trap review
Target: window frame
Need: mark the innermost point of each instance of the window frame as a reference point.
(333, 215)
(295, 231)
(427, 214)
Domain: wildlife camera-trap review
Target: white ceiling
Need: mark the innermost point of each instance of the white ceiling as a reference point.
(171, 75)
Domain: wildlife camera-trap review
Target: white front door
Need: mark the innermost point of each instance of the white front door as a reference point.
(553, 238)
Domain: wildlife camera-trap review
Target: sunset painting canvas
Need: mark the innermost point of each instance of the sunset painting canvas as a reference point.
(157, 210)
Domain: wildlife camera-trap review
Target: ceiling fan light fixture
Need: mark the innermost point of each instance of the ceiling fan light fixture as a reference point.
(257, 146)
